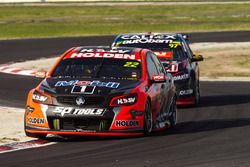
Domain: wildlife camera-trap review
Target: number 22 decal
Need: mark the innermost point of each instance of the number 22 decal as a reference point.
(131, 64)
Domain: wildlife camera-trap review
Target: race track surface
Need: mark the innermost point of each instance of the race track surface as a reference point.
(214, 134)
(30, 49)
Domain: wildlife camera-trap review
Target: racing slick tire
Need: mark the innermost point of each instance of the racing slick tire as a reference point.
(173, 117)
(197, 93)
(148, 120)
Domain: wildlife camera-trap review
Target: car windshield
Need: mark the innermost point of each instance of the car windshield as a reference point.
(98, 68)
(159, 47)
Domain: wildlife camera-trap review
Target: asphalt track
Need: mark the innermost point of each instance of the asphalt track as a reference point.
(214, 134)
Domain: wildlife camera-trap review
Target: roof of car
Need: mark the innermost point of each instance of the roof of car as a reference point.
(106, 49)
(103, 51)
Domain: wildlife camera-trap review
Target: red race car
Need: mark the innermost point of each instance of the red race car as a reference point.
(102, 91)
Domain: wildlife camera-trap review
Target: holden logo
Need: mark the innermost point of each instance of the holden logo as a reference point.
(80, 101)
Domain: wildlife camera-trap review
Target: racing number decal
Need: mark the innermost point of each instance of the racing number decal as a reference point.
(174, 44)
(131, 64)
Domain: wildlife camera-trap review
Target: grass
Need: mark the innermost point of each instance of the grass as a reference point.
(227, 60)
(51, 21)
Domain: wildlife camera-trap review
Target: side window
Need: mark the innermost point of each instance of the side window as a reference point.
(158, 64)
(179, 53)
(151, 67)
(190, 53)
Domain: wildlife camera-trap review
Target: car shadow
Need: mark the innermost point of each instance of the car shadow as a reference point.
(222, 100)
(181, 128)
(75, 138)
(208, 125)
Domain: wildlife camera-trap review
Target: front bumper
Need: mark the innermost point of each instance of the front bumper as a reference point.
(116, 121)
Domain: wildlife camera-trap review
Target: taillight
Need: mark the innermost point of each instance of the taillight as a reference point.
(41, 98)
(124, 100)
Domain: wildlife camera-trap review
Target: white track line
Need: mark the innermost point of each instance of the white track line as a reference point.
(23, 146)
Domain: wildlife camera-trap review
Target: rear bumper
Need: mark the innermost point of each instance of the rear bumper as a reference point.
(186, 101)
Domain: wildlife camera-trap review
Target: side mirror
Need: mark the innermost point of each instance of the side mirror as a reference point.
(156, 78)
(41, 74)
(197, 57)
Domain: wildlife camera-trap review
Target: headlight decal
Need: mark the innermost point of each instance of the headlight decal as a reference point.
(124, 100)
(41, 98)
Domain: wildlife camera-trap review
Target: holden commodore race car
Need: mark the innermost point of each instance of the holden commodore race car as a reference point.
(175, 54)
(102, 91)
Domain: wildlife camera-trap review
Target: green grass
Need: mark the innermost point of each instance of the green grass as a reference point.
(243, 61)
(47, 21)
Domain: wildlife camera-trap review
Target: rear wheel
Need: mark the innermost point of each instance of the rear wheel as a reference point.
(197, 93)
(173, 117)
(148, 122)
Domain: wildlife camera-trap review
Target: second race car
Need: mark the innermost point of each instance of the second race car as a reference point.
(177, 57)
(102, 91)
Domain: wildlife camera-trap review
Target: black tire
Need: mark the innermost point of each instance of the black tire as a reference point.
(197, 94)
(148, 122)
(173, 117)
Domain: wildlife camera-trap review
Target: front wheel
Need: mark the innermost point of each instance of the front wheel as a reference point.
(148, 122)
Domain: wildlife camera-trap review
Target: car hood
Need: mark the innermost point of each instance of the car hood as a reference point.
(66, 86)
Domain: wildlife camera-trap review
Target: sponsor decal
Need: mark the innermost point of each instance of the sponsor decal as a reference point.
(175, 44)
(66, 83)
(148, 36)
(181, 77)
(103, 55)
(172, 68)
(34, 120)
(129, 100)
(124, 100)
(164, 54)
(79, 111)
(158, 77)
(131, 64)
(126, 123)
(164, 41)
(90, 83)
(105, 50)
(39, 98)
(186, 92)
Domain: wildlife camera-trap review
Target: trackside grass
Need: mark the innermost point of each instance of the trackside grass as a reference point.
(50, 21)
